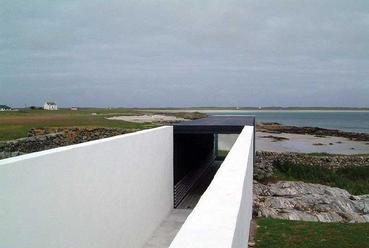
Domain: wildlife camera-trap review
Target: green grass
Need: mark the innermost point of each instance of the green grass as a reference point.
(222, 154)
(297, 234)
(353, 179)
(16, 124)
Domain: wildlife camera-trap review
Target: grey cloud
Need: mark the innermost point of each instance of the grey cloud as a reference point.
(184, 53)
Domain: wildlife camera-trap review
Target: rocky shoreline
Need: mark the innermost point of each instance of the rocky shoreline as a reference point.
(317, 131)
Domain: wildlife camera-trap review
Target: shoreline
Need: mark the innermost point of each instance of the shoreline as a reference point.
(300, 143)
(273, 137)
(257, 110)
(307, 143)
(344, 120)
(278, 128)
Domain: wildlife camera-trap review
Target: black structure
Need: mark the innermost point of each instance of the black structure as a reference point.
(195, 150)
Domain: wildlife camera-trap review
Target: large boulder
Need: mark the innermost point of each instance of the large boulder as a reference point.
(309, 202)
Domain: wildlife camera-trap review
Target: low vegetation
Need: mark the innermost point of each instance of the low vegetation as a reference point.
(16, 124)
(222, 154)
(285, 233)
(354, 179)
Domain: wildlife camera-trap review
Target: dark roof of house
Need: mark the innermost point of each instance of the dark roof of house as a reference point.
(4, 107)
(215, 124)
(50, 103)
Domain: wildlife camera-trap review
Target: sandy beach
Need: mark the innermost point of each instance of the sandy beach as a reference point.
(147, 118)
(309, 144)
(302, 143)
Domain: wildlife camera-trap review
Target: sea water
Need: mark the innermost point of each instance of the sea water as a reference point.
(351, 121)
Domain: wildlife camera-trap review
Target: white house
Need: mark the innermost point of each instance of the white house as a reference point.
(50, 106)
(4, 108)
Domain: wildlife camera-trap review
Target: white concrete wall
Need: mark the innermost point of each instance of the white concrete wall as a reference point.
(222, 216)
(107, 193)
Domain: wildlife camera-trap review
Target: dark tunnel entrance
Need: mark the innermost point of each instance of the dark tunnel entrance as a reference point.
(196, 158)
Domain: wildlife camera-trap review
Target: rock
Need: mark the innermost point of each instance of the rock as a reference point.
(318, 144)
(309, 202)
(319, 132)
(274, 138)
(363, 204)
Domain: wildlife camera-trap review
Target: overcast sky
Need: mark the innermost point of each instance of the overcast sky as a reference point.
(184, 52)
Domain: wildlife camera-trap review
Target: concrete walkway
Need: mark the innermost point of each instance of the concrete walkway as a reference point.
(193, 197)
(168, 229)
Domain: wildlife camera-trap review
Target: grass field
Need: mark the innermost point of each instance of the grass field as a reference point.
(353, 179)
(297, 234)
(16, 124)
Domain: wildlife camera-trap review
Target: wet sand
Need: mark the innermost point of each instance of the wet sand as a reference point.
(302, 143)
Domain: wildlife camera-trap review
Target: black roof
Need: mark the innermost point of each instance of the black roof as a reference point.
(4, 107)
(216, 124)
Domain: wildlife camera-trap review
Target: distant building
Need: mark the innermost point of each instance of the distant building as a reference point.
(74, 108)
(5, 108)
(50, 106)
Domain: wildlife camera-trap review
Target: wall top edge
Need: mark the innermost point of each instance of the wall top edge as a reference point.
(75, 146)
